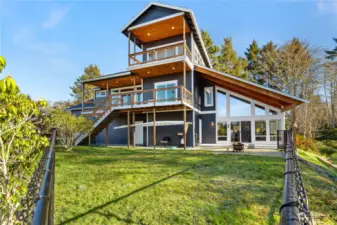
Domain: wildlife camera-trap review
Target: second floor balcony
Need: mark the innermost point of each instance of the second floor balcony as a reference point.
(177, 95)
(161, 53)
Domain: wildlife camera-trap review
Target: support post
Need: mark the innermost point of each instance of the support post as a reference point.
(107, 94)
(82, 97)
(129, 48)
(154, 129)
(185, 131)
(294, 126)
(107, 135)
(134, 129)
(184, 35)
(128, 129)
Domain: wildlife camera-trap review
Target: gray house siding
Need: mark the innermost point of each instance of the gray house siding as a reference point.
(208, 131)
(149, 83)
(154, 12)
(200, 84)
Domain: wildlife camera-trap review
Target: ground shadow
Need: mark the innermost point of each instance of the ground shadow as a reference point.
(122, 197)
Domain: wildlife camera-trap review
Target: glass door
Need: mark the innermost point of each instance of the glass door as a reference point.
(246, 131)
(235, 131)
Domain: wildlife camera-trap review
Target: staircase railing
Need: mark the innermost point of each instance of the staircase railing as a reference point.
(295, 208)
(38, 204)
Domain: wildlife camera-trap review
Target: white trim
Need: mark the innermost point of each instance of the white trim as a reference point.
(165, 45)
(211, 90)
(155, 21)
(200, 131)
(175, 82)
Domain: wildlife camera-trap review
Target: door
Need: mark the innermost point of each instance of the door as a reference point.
(246, 131)
(235, 131)
(139, 134)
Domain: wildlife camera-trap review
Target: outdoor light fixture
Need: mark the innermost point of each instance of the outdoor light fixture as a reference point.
(212, 124)
(148, 72)
(172, 28)
(148, 34)
(173, 68)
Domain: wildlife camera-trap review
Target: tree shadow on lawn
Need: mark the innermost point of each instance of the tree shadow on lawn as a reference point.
(93, 210)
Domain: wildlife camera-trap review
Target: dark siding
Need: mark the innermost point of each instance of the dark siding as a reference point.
(154, 12)
(208, 132)
(148, 83)
(171, 131)
(196, 124)
(199, 89)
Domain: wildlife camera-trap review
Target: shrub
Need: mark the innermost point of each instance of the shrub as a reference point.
(306, 144)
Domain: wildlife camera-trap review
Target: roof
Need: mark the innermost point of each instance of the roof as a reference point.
(190, 17)
(275, 98)
(88, 104)
(109, 76)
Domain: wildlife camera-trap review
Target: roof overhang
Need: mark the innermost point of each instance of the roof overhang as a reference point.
(190, 19)
(269, 96)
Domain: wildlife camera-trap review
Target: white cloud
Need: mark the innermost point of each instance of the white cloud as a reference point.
(24, 33)
(55, 17)
(326, 6)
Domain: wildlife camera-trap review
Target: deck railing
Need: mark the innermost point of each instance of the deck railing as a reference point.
(294, 209)
(157, 54)
(38, 205)
(142, 98)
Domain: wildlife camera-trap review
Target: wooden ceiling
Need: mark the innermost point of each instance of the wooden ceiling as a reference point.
(251, 91)
(161, 29)
(159, 70)
(116, 82)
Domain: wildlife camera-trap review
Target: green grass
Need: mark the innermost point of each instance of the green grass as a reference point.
(121, 186)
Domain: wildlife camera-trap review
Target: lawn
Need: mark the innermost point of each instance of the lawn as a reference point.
(97, 185)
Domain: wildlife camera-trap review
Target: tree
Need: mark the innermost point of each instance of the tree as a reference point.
(253, 56)
(211, 48)
(68, 126)
(228, 62)
(20, 145)
(2, 63)
(90, 72)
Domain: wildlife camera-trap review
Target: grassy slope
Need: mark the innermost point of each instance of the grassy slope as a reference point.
(121, 186)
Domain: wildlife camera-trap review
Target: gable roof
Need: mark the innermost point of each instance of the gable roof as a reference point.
(269, 96)
(190, 19)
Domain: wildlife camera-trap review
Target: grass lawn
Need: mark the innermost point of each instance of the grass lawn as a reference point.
(97, 185)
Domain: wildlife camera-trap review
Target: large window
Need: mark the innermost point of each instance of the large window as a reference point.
(208, 94)
(100, 94)
(221, 104)
(222, 131)
(272, 112)
(235, 131)
(167, 94)
(260, 130)
(239, 107)
(260, 110)
(274, 125)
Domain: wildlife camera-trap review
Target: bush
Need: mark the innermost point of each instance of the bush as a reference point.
(306, 144)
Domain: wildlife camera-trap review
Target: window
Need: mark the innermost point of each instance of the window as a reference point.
(239, 107)
(167, 94)
(221, 104)
(274, 125)
(235, 131)
(208, 94)
(100, 94)
(260, 110)
(260, 130)
(272, 112)
(222, 131)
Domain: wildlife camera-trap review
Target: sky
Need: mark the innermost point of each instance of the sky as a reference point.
(48, 43)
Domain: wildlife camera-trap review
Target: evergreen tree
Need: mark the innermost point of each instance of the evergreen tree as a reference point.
(211, 48)
(267, 55)
(90, 72)
(253, 55)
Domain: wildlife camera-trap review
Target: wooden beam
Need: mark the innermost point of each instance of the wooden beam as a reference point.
(82, 97)
(154, 129)
(185, 131)
(107, 135)
(129, 48)
(134, 129)
(184, 36)
(128, 129)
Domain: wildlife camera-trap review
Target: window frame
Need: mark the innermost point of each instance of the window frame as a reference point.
(165, 83)
(211, 89)
(100, 91)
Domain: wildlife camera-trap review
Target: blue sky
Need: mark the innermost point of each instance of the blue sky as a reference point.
(48, 43)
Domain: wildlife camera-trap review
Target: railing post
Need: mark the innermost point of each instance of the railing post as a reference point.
(154, 97)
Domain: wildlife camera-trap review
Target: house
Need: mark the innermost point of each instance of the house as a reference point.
(170, 93)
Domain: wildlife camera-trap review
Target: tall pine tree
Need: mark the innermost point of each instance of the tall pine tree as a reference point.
(90, 72)
(211, 48)
(253, 55)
